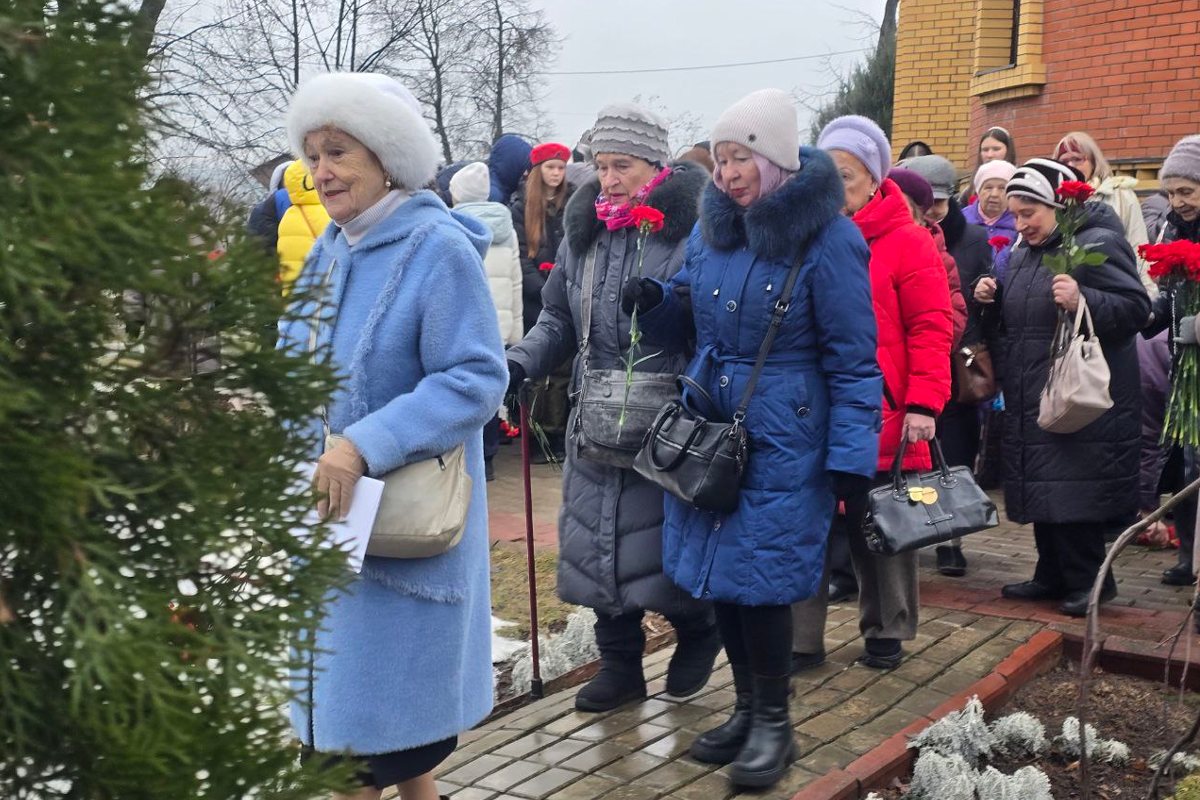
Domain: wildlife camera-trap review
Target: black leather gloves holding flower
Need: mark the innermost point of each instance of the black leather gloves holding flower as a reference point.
(642, 294)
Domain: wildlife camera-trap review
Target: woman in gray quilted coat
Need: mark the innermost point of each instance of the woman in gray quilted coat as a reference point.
(610, 523)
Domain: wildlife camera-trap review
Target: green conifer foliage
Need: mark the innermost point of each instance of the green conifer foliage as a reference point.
(152, 595)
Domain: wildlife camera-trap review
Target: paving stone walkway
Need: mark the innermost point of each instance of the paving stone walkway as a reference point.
(549, 751)
(1007, 554)
(996, 557)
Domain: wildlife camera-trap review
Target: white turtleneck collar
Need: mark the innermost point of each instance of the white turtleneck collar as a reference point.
(357, 228)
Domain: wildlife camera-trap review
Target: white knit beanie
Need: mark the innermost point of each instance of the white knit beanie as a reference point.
(471, 184)
(764, 122)
(375, 109)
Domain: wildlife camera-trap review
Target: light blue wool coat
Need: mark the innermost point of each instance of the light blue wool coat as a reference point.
(405, 653)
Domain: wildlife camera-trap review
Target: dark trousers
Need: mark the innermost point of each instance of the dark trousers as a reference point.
(1180, 470)
(1070, 554)
(888, 601)
(989, 469)
(621, 639)
(491, 437)
(958, 431)
(760, 636)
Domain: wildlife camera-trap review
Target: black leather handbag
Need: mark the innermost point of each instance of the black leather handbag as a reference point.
(699, 460)
(926, 508)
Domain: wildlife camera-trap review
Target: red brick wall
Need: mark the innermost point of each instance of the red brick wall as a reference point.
(1125, 71)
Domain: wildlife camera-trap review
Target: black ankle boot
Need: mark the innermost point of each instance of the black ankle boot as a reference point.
(770, 746)
(620, 679)
(692, 663)
(617, 683)
(722, 744)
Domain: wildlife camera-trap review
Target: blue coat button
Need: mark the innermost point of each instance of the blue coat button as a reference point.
(731, 306)
(724, 380)
(803, 411)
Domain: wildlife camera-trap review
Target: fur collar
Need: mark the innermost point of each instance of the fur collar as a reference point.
(781, 225)
(677, 197)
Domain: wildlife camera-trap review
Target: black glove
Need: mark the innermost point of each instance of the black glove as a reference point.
(516, 379)
(851, 490)
(643, 294)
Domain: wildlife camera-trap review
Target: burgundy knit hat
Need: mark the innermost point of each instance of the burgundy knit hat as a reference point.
(914, 185)
(548, 152)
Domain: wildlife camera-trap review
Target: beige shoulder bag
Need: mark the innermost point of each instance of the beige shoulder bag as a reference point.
(1076, 391)
(423, 511)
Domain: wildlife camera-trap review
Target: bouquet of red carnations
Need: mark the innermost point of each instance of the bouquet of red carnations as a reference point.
(1176, 265)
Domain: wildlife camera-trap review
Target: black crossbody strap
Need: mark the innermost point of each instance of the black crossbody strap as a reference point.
(781, 308)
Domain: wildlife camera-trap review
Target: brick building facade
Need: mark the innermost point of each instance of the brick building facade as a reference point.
(1125, 71)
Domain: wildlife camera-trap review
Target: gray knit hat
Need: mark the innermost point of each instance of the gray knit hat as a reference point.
(1184, 160)
(630, 130)
(937, 170)
(765, 123)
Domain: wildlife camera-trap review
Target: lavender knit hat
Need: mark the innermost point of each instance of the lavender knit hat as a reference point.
(1184, 160)
(861, 138)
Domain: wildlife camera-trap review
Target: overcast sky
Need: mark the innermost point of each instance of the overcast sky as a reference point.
(647, 34)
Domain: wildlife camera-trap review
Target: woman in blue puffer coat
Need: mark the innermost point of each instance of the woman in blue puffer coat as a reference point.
(813, 419)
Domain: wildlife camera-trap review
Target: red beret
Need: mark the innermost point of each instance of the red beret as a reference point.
(549, 151)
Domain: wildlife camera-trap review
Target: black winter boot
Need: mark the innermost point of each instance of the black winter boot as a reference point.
(620, 679)
(722, 744)
(614, 686)
(770, 747)
(698, 645)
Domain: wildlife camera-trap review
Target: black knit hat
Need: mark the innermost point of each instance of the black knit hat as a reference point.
(1039, 178)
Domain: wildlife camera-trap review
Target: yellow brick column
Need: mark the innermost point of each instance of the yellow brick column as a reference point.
(935, 59)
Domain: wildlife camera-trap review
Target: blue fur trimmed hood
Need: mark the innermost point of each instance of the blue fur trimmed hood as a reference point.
(780, 225)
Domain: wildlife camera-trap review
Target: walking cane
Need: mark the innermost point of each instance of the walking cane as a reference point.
(535, 685)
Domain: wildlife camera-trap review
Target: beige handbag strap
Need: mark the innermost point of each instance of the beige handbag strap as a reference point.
(1063, 336)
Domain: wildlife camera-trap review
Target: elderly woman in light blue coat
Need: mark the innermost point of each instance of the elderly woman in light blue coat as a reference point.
(403, 662)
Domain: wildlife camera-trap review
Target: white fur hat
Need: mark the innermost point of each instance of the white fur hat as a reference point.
(375, 109)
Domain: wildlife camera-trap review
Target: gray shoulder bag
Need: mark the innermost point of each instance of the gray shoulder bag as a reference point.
(597, 432)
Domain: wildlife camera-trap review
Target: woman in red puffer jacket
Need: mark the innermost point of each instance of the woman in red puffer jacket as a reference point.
(913, 313)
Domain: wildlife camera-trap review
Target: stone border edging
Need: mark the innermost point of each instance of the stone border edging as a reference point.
(1139, 658)
(893, 758)
(568, 680)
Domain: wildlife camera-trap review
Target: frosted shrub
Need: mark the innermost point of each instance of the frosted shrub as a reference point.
(1108, 750)
(1020, 734)
(1181, 763)
(1027, 783)
(960, 733)
(560, 653)
(938, 777)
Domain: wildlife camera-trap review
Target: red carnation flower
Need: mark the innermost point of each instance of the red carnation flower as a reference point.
(647, 219)
(1179, 259)
(546, 266)
(998, 243)
(1075, 190)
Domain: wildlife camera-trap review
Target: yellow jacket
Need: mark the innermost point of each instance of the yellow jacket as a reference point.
(302, 223)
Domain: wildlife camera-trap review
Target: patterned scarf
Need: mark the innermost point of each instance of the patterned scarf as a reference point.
(616, 217)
